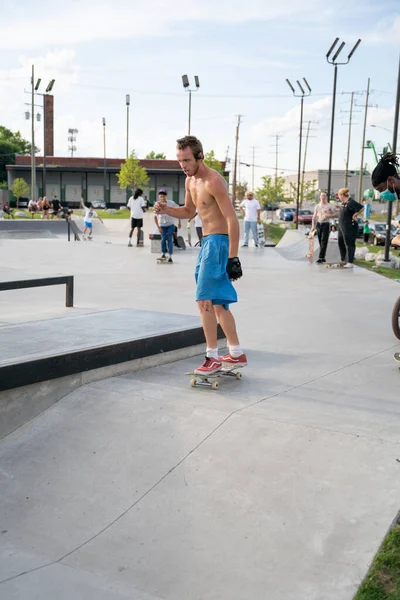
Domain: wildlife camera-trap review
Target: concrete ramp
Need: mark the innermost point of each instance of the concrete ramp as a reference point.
(294, 246)
(36, 228)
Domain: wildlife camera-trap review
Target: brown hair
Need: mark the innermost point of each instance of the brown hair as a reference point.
(190, 141)
(343, 191)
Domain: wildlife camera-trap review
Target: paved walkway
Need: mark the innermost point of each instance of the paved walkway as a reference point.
(277, 487)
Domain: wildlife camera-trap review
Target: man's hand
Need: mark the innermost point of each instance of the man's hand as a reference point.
(234, 268)
(160, 230)
(160, 209)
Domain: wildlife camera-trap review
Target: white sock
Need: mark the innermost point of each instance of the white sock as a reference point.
(212, 353)
(235, 351)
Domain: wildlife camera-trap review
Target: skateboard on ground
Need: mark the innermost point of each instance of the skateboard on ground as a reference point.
(334, 265)
(162, 261)
(212, 380)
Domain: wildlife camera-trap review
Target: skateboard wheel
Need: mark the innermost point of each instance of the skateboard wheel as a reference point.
(215, 385)
(193, 383)
(238, 376)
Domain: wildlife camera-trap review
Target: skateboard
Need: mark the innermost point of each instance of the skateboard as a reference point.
(260, 235)
(163, 261)
(334, 265)
(212, 380)
(311, 245)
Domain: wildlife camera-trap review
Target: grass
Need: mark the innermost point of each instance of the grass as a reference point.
(383, 579)
(275, 233)
(103, 214)
(389, 273)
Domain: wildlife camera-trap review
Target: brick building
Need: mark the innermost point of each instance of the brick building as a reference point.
(71, 178)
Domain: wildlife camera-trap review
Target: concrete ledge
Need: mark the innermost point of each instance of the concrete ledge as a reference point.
(20, 405)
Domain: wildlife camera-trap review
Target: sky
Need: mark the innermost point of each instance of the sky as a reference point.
(242, 52)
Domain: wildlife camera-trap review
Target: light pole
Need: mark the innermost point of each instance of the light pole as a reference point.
(185, 82)
(72, 138)
(394, 148)
(380, 127)
(335, 63)
(105, 162)
(128, 102)
(302, 94)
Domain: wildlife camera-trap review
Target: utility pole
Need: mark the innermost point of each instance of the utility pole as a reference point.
(346, 175)
(360, 183)
(33, 154)
(252, 168)
(276, 157)
(239, 118)
(128, 102)
(304, 165)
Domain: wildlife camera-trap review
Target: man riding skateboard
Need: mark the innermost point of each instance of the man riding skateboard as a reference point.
(218, 264)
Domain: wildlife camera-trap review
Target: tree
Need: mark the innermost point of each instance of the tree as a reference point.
(271, 191)
(132, 174)
(153, 156)
(241, 189)
(307, 191)
(10, 145)
(212, 162)
(19, 188)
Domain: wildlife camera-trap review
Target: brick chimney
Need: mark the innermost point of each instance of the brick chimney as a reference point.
(49, 125)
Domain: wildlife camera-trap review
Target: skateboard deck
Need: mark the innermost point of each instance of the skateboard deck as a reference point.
(212, 380)
(311, 246)
(334, 265)
(164, 261)
(260, 234)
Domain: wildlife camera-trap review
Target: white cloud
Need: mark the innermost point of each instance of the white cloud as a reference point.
(78, 21)
(386, 32)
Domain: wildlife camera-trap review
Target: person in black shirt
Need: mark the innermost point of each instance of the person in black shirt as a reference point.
(56, 206)
(348, 227)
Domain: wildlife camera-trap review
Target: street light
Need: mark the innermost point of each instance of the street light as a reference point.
(128, 102)
(105, 163)
(380, 127)
(186, 85)
(72, 138)
(302, 94)
(334, 62)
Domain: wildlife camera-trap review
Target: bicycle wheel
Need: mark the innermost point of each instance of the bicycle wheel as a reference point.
(396, 319)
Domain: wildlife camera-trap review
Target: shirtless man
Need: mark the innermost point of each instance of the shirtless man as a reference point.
(218, 263)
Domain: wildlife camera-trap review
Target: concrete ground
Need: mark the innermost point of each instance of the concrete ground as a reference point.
(277, 487)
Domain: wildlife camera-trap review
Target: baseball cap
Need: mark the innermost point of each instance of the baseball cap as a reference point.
(163, 191)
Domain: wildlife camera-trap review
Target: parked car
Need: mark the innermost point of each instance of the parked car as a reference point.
(270, 206)
(286, 214)
(305, 216)
(99, 204)
(378, 233)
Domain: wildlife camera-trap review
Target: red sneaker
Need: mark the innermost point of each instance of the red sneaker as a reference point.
(209, 366)
(230, 361)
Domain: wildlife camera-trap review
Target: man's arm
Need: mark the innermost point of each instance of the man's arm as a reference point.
(314, 217)
(156, 222)
(217, 188)
(182, 212)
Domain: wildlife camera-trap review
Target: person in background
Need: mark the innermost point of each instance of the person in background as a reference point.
(333, 234)
(251, 211)
(166, 225)
(366, 232)
(348, 227)
(56, 206)
(90, 214)
(137, 206)
(45, 208)
(32, 207)
(320, 223)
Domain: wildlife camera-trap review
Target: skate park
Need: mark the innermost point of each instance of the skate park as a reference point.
(118, 480)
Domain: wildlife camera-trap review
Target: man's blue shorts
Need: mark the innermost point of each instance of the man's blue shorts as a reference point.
(88, 225)
(211, 277)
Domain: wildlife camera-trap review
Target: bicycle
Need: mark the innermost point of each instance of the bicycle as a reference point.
(396, 318)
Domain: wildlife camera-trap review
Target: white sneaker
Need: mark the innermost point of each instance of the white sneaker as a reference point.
(348, 266)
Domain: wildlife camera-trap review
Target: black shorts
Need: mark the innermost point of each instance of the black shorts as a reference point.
(136, 223)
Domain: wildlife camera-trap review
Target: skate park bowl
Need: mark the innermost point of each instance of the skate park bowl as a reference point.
(37, 228)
